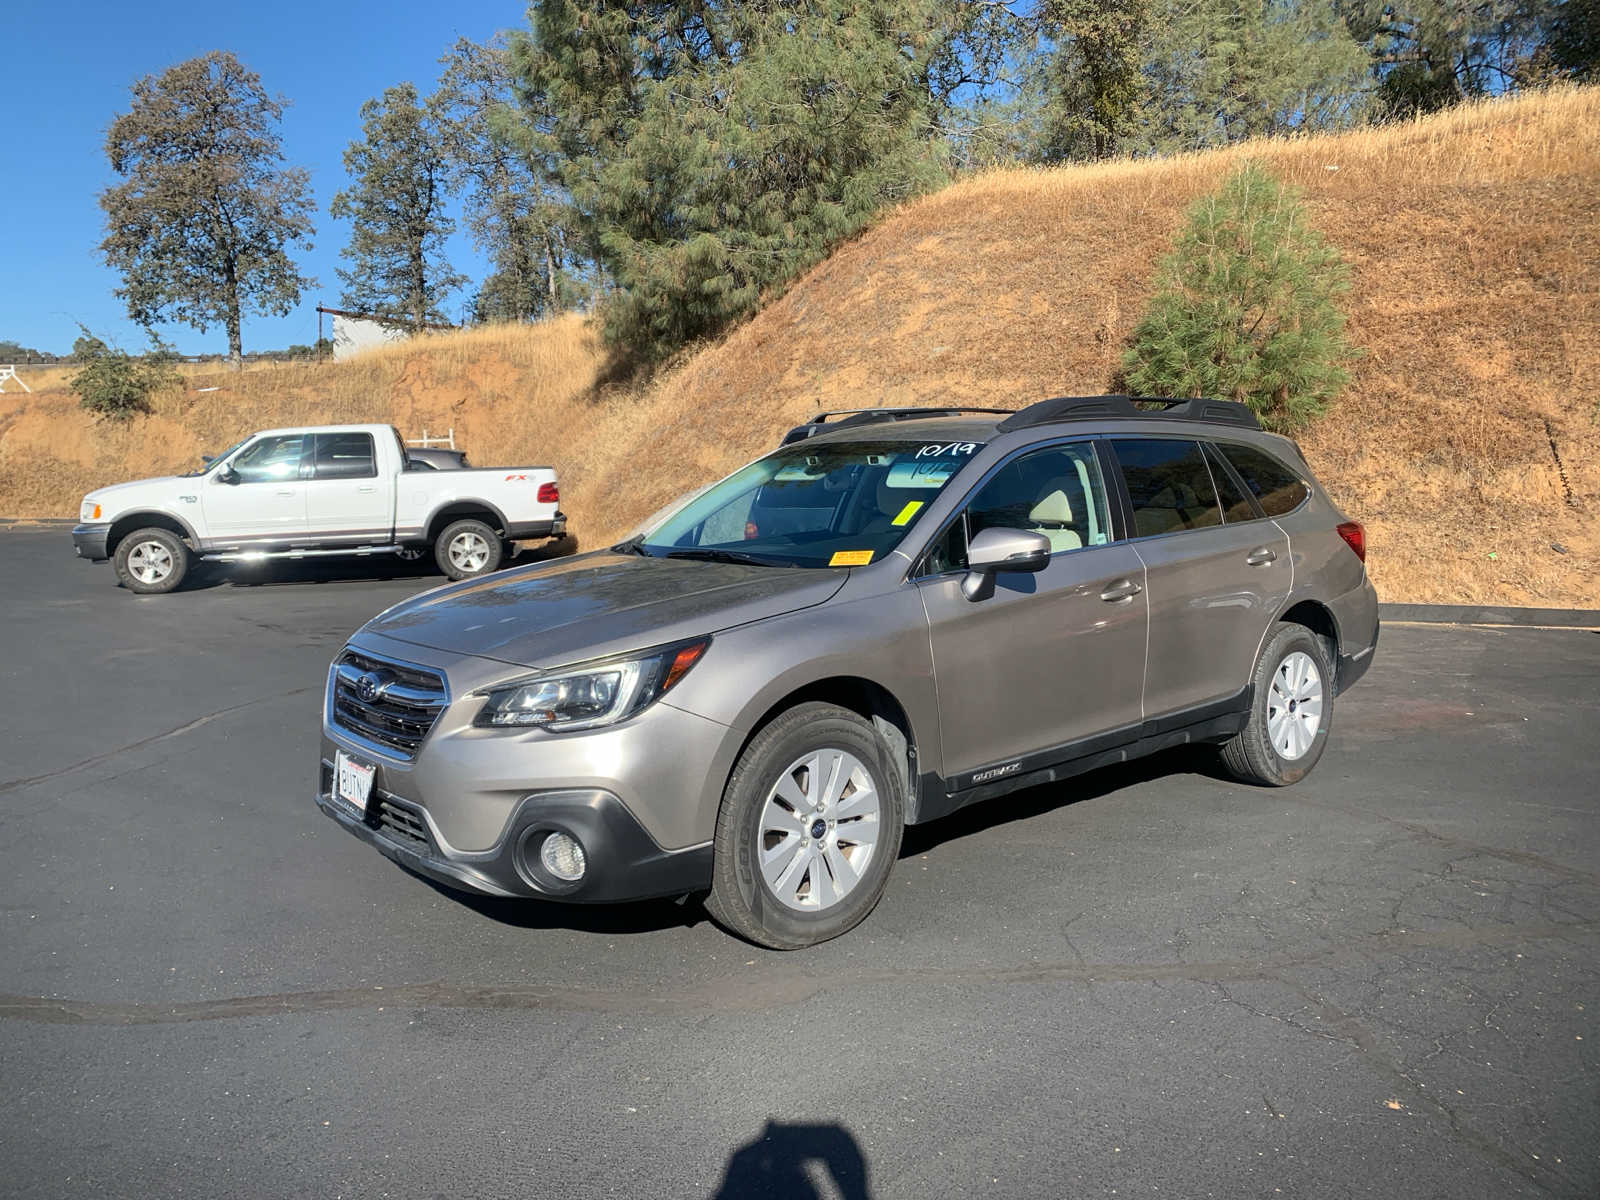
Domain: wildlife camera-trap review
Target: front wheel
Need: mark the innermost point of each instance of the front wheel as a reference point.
(809, 829)
(467, 549)
(151, 561)
(1290, 713)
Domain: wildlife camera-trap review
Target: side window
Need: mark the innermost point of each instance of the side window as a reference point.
(1057, 491)
(1169, 484)
(345, 456)
(1278, 488)
(271, 458)
(1236, 506)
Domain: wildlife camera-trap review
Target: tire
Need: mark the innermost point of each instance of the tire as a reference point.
(784, 906)
(151, 561)
(467, 549)
(1281, 742)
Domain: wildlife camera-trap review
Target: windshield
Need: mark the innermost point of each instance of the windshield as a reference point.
(207, 466)
(837, 504)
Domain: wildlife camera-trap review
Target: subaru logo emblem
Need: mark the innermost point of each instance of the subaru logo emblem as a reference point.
(371, 686)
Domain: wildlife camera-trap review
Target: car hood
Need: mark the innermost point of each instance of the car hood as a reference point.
(118, 490)
(597, 605)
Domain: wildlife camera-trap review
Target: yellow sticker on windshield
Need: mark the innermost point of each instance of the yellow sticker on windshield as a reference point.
(910, 510)
(850, 558)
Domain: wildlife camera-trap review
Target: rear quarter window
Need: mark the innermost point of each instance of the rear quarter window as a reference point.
(1277, 488)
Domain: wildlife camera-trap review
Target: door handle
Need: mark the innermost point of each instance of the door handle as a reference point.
(366, 489)
(286, 492)
(1122, 589)
(1261, 556)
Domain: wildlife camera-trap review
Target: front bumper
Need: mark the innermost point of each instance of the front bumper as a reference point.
(89, 541)
(624, 862)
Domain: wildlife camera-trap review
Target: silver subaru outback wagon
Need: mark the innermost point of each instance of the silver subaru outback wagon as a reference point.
(892, 616)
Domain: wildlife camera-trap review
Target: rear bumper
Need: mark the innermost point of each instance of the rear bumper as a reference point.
(528, 530)
(89, 541)
(624, 862)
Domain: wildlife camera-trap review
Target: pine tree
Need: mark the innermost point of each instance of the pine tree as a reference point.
(1246, 307)
(1220, 71)
(513, 211)
(1096, 87)
(202, 226)
(711, 150)
(396, 204)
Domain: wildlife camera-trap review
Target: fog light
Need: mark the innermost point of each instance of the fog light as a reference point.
(563, 857)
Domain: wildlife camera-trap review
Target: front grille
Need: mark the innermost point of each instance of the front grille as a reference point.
(407, 702)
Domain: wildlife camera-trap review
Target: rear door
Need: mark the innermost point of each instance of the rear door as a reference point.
(345, 498)
(1216, 571)
(267, 502)
(1049, 659)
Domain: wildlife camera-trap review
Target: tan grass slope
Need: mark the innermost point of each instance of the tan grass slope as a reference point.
(1472, 237)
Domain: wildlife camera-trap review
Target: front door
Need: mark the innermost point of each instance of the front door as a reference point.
(1217, 573)
(267, 502)
(345, 499)
(1050, 659)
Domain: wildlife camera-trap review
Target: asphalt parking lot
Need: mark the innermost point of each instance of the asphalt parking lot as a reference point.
(1150, 981)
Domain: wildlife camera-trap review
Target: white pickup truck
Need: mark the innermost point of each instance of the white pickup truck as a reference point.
(321, 490)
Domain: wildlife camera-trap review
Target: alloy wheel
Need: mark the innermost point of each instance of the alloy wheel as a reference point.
(1294, 706)
(818, 831)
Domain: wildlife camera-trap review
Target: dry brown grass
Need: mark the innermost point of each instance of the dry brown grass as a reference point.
(1471, 237)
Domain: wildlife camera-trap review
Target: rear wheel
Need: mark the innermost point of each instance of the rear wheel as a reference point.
(151, 561)
(467, 549)
(809, 829)
(1290, 713)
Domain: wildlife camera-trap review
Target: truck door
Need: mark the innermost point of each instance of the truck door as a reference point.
(346, 501)
(258, 499)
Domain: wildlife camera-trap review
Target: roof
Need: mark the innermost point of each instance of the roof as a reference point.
(392, 319)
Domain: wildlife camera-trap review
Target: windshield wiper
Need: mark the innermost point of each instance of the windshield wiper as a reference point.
(633, 545)
(709, 554)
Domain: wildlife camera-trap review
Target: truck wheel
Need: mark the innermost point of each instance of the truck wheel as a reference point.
(151, 561)
(1290, 713)
(467, 549)
(809, 829)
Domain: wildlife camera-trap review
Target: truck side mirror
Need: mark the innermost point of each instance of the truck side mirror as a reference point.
(228, 475)
(995, 550)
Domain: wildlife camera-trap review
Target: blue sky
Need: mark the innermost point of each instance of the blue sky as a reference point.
(68, 70)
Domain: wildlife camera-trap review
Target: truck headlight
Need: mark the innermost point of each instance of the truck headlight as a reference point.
(88, 511)
(589, 696)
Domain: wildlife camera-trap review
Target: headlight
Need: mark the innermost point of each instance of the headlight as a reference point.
(587, 697)
(88, 511)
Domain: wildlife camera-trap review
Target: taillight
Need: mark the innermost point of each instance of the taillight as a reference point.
(1355, 537)
(549, 493)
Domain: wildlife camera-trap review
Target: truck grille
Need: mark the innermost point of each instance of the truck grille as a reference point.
(387, 704)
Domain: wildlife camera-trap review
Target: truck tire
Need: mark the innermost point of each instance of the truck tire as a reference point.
(151, 561)
(467, 549)
(809, 829)
(1291, 711)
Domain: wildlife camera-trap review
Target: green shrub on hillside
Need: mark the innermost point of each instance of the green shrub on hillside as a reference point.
(114, 383)
(1245, 307)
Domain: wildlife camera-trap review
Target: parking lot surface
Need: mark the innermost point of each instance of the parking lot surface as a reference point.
(1148, 981)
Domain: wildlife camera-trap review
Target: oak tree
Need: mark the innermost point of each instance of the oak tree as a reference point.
(202, 224)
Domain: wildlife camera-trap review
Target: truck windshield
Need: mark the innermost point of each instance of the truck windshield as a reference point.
(834, 504)
(207, 464)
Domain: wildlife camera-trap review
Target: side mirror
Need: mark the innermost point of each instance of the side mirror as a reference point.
(994, 550)
(228, 475)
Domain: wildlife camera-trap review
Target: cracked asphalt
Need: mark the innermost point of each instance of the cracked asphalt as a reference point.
(1150, 981)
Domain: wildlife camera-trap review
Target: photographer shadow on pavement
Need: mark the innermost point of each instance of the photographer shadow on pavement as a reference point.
(787, 1162)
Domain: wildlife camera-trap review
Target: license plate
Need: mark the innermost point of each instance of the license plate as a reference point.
(352, 780)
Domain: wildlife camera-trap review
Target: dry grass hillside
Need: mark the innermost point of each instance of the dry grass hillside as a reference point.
(1468, 439)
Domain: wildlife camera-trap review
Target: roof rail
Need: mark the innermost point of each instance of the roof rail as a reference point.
(873, 416)
(1083, 408)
